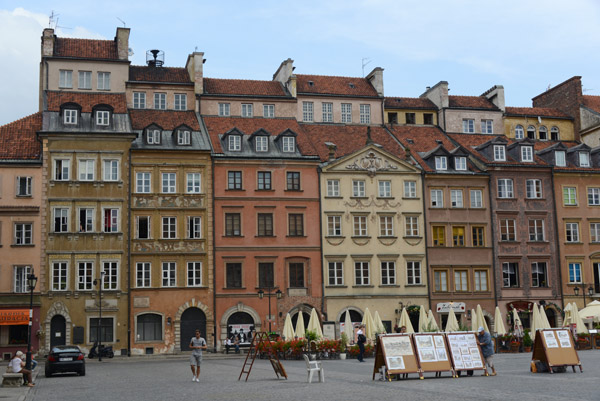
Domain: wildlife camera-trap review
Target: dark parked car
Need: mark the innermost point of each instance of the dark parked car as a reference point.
(65, 358)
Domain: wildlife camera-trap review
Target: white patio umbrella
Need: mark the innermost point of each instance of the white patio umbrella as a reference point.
(499, 323)
(288, 329)
(452, 323)
(369, 324)
(422, 320)
(580, 326)
(568, 315)
(349, 327)
(379, 327)
(536, 323)
(544, 317)
(481, 320)
(300, 332)
(314, 324)
(431, 322)
(518, 326)
(474, 325)
(405, 321)
(591, 311)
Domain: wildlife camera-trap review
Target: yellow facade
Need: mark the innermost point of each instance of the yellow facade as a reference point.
(565, 128)
(402, 116)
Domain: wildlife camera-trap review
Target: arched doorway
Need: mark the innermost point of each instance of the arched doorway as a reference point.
(355, 316)
(191, 319)
(58, 331)
(306, 318)
(241, 324)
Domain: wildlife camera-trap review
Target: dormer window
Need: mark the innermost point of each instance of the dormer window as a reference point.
(526, 153)
(441, 163)
(560, 159)
(70, 116)
(584, 159)
(460, 163)
(519, 132)
(102, 117)
(261, 143)
(183, 137)
(289, 144)
(543, 133)
(499, 153)
(235, 143)
(153, 136)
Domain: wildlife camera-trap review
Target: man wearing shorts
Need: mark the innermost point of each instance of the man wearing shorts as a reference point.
(197, 344)
(487, 348)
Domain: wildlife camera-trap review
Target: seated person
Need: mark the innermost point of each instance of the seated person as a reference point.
(18, 366)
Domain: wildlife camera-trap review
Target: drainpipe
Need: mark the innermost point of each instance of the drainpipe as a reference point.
(212, 173)
(323, 275)
(494, 239)
(559, 261)
(129, 261)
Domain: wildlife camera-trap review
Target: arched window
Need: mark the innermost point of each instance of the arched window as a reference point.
(531, 132)
(519, 132)
(554, 134)
(149, 327)
(543, 133)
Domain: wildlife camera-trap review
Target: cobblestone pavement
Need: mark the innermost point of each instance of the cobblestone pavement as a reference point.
(170, 378)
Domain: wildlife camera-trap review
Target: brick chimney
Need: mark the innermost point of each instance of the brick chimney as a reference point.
(122, 39)
(285, 75)
(194, 67)
(376, 79)
(48, 38)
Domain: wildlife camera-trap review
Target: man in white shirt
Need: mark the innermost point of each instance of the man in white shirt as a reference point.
(17, 364)
(197, 344)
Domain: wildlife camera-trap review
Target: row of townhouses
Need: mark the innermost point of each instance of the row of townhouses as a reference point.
(151, 200)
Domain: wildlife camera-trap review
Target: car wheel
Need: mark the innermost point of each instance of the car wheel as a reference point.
(47, 372)
(82, 372)
(112, 354)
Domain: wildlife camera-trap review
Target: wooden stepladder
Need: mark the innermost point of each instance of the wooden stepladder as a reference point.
(262, 338)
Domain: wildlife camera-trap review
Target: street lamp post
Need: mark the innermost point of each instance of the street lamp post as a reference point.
(590, 292)
(31, 282)
(261, 295)
(99, 282)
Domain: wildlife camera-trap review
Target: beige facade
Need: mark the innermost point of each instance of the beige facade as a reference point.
(210, 106)
(375, 108)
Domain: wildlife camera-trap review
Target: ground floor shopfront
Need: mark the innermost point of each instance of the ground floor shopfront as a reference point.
(14, 326)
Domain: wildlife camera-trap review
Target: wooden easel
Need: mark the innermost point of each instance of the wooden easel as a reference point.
(555, 347)
(396, 353)
(262, 338)
(465, 344)
(440, 360)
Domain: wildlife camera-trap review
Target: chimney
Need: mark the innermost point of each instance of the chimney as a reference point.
(496, 95)
(48, 42)
(194, 67)
(332, 148)
(376, 79)
(122, 40)
(438, 94)
(285, 75)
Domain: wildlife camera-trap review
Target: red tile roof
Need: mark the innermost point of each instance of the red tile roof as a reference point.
(159, 74)
(592, 102)
(471, 102)
(471, 141)
(87, 100)
(219, 125)
(166, 119)
(409, 103)
(214, 86)
(535, 112)
(86, 48)
(349, 139)
(18, 140)
(331, 85)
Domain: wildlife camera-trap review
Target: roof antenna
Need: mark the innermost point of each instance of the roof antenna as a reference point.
(365, 62)
(123, 22)
(51, 19)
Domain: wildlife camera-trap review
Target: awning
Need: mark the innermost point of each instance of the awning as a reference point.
(12, 317)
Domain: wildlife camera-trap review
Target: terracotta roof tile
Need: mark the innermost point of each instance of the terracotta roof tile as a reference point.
(471, 102)
(592, 102)
(86, 48)
(535, 112)
(159, 74)
(166, 119)
(409, 103)
(331, 85)
(219, 125)
(349, 139)
(214, 86)
(87, 100)
(18, 140)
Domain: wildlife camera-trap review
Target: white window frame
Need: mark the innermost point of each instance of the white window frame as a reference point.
(410, 189)
(60, 275)
(160, 101)
(103, 83)
(247, 110)
(183, 137)
(84, 80)
(70, 116)
(481, 280)
(102, 117)
(327, 112)
(224, 109)
(595, 233)
(308, 112)
(386, 226)
(505, 188)
(468, 126)
(533, 189)
(20, 284)
(538, 233)
(139, 100)
(87, 225)
(180, 101)
(569, 196)
(593, 196)
(499, 153)
(23, 234)
(85, 280)
(359, 224)
(584, 159)
(143, 182)
(86, 169)
(24, 185)
(456, 198)
(385, 189)
(346, 109)
(143, 274)
(268, 110)
(113, 215)
(65, 78)
(194, 227)
(168, 182)
(519, 132)
(460, 163)
(137, 227)
(261, 143)
(61, 213)
(335, 270)
(194, 183)
(358, 188)
(334, 226)
(110, 170)
(153, 136)
(362, 274)
(111, 275)
(194, 274)
(365, 113)
(441, 163)
(411, 226)
(413, 272)
(437, 198)
(487, 126)
(527, 154)
(476, 196)
(168, 227)
(289, 144)
(333, 188)
(234, 143)
(169, 274)
(572, 232)
(388, 272)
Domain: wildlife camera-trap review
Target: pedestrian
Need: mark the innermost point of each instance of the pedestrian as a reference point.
(18, 366)
(484, 339)
(227, 345)
(197, 344)
(360, 340)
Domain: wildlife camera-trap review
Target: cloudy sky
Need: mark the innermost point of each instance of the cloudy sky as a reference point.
(525, 45)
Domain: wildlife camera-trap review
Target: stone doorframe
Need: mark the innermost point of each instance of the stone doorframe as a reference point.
(240, 307)
(210, 327)
(57, 308)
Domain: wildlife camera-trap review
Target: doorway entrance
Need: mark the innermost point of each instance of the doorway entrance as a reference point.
(191, 319)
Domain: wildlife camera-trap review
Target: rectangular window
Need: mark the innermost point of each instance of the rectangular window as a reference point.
(487, 127)
(85, 272)
(169, 270)
(478, 236)
(412, 226)
(86, 170)
(289, 144)
(413, 273)
(460, 163)
(410, 118)
(526, 153)
(336, 273)
(461, 281)
(269, 110)
(347, 113)
(70, 116)
(266, 278)
(168, 183)
(327, 112)
(139, 100)
(59, 276)
(293, 181)
(481, 281)
(505, 188)
(385, 189)
(61, 220)
(183, 137)
(296, 225)
(153, 137)
(437, 198)
(458, 236)
(247, 110)
(111, 220)
(468, 126)
(65, 79)
(595, 232)
(358, 188)
(111, 275)
(572, 230)
(142, 182)
(194, 274)
(224, 109)
(102, 117)
(234, 275)
(476, 198)
(456, 198)
(569, 196)
(539, 276)
(365, 114)
(143, 227)
(560, 158)
(510, 274)
(169, 227)
(360, 226)
(574, 272)
(194, 227)
(307, 111)
(142, 274)
(333, 187)
(193, 183)
(111, 170)
(438, 235)
(410, 189)
(441, 163)
(584, 159)
(21, 273)
(86, 220)
(499, 153)
(103, 81)
(264, 180)
(261, 143)
(265, 225)
(508, 230)
(160, 101)
(361, 273)
(296, 275)
(105, 328)
(440, 278)
(594, 196)
(233, 225)
(85, 80)
(334, 226)
(23, 233)
(234, 180)
(388, 273)
(536, 230)
(428, 118)
(386, 226)
(534, 189)
(235, 143)
(180, 101)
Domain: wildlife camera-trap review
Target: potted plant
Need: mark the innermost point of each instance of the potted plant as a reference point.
(515, 344)
(583, 341)
(527, 342)
(343, 345)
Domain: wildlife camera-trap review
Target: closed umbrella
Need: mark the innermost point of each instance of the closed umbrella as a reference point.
(431, 322)
(452, 323)
(379, 327)
(580, 326)
(480, 319)
(568, 315)
(544, 317)
(288, 329)
(536, 323)
(369, 324)
(518, 326)
(499, 323)
(474, 325)
(348, 327)
(314, 325)
(422, 320)
(300, 326)
(405, 321)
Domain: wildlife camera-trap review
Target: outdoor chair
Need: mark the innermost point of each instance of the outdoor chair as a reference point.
(312, 367)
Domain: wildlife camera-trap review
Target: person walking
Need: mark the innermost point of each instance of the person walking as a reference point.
(197, 344)
(360, 340)
(487, 348)
(18, 366)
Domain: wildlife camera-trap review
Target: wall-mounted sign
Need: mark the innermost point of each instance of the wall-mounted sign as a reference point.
(457, 307)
